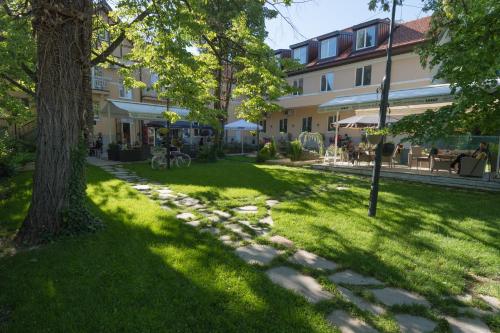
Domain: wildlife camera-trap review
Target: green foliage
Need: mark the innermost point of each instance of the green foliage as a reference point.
(312, 141)
(267, 152)
(295, 150)
(171, 116)
(208, 153)
(463, 46)
(77, 217)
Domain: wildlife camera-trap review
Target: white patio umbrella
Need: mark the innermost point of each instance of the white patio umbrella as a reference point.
(366, 120)
(242, 125)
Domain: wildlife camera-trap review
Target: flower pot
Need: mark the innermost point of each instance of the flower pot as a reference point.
(374, 139)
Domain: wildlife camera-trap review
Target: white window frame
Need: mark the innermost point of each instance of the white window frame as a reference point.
(327, 48)
(334, 129)
(308, 123)
(326, 82)
(362, 76)
(96, 108)
(125, 93)
(364, 33)
(296, 84)
(299, 58)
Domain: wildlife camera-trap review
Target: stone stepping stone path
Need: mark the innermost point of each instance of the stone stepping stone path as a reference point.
(238, 230)
(361, 302)
(414, 324)
(247, 210)
(267, 220)
(291, 279)
(467, 325)
(257, 254)
(350, 277)
(280, 240)
(394, 296)
(311, 260)
(302, 284)
(194, 224)
(348, 324)
(186, 216)
(272, 203)
(222, 214)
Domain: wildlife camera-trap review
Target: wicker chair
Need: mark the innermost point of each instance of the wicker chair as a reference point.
(472, 167)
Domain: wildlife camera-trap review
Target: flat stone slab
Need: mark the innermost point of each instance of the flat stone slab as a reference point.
(226, 239)
(167, 196)
(267, 220)
(271, 203)
(342, 188)
(251, 226)
(238, 229)
(302, 284)
(247, 209)
(394, 296)
(350, 277)
(222, 214)
(142, 187)
(493, 302)
(475, 311)
(211, 230)
(360, 302)
(193, 223)
(348, 324)
(311, 260)
(280, 240)
(164, 190)
(213, 218)
(189, 201)
(257, 254)
(467, 325)
(186, 216)
(414, 324)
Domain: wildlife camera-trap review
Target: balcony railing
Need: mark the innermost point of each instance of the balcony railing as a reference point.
(100, 83)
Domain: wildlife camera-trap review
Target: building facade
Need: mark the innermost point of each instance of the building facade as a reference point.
(349, 63)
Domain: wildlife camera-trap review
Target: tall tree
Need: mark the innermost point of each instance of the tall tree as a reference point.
(463, 45)
(63, 33)
(204, 50)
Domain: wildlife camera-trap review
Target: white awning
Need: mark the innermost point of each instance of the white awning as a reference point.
(438, 93)
(242, 125)
(142, 111)
(366, 120)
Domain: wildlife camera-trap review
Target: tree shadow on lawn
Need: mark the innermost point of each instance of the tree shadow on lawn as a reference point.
(145, 271)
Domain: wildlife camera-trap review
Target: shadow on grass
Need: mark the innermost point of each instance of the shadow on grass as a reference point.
(145, 271)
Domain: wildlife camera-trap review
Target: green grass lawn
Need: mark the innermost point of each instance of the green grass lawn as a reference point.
(147, 272)
(427, 239)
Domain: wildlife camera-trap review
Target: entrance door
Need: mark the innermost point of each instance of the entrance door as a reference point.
(126, 133)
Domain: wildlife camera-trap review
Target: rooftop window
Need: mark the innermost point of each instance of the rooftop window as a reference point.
(300, 54)
(365, 38)
(329, 48)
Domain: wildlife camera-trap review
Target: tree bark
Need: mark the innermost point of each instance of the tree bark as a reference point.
(63, 102)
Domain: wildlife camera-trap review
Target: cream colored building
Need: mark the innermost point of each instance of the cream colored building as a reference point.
(347, 67)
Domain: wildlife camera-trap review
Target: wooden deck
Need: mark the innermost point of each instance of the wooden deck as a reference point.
(417, 175)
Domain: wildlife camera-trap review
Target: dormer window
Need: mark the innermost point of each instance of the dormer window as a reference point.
(329, 48)
(365, 38)
(300, 54)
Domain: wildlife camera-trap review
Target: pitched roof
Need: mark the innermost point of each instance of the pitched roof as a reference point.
(406, 35)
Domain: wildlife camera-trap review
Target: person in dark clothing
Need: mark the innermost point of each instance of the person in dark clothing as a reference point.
(99, 145)
(480, 153)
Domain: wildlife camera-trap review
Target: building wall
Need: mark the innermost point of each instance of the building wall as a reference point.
(407, 73)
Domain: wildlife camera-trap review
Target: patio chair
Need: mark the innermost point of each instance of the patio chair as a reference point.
(388, 151)
(472, 167)
(440, 164)
(416, 154)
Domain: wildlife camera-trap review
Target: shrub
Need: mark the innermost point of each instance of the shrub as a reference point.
(208, 153)
(267, 152)
(312, 141)
(295, 150)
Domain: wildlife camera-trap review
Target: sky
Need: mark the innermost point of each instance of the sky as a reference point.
(316, 17)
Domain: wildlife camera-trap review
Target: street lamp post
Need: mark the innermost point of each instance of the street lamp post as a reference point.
(372, 210)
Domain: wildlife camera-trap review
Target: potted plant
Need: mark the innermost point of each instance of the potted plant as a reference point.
(113, 151)
(375, 136)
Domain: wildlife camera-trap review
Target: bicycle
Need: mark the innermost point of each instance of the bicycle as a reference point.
(159, 159)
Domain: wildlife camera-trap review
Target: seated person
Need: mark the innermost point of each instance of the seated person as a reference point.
(480, 153)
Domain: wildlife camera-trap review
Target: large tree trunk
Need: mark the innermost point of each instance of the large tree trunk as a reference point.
(63, 97)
